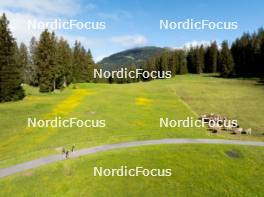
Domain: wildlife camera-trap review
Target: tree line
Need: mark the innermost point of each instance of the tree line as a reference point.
(49, 63)
(248, 54)
(245, 57)
(196, 60)
(54, 65)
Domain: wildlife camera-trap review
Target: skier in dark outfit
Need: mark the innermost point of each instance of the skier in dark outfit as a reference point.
(67, 154)
(73, 147)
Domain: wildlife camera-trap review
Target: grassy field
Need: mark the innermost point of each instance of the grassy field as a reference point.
(240, 99)
(197, 170)
(132, 112)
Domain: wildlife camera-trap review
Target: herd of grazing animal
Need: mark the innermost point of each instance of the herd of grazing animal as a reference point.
(221, 125)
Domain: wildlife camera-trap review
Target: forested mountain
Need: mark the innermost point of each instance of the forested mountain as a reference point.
(126, 58)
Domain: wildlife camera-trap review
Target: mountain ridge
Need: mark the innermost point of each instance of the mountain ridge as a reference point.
(126, 58)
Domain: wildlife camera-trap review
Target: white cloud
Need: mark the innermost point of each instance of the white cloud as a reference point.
(86, 42)
(129, 40)
(100, 57)
(117, 15)
(41, 7)
(19, 28)
(195, 43)
(19, 12)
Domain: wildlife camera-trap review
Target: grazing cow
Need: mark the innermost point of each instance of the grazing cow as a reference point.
(247, 131)
(205, 120)
(215, 129)
(238, 130)
(227, 128)
(220, 123)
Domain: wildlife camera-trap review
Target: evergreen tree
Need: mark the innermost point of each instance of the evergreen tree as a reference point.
(195, 59)
(181, 62)
(76, 61)
(10, 71)
(23, 60)
(200, 60)
(261, 52)
(219, 69)
(82, 64)
(64, 64)
(211, 58)
(164, 61)
(226, 60)
(191, 60)
(247, 53)
(132, 80)
(151, 66)
(46, 61)
(172, 63)
(55, 68)
(90, 65)
(31, 70)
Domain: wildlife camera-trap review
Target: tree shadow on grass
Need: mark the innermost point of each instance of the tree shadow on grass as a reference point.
(259, 80)
(212, 75)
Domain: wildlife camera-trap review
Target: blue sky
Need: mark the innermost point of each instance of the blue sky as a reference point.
(136, 22)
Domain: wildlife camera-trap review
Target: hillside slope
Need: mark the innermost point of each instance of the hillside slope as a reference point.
(128, 57)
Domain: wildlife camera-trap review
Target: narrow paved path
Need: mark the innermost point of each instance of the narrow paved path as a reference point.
(53, 158)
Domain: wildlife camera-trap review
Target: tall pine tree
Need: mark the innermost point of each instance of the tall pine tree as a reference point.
(31, 70)
(23, 60)
(10, 70)
(46, 61)
(211, 58)
(226, 61)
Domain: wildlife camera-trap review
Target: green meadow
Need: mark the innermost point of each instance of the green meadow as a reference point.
(240, 99)
(132, 112)
(197, 170)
